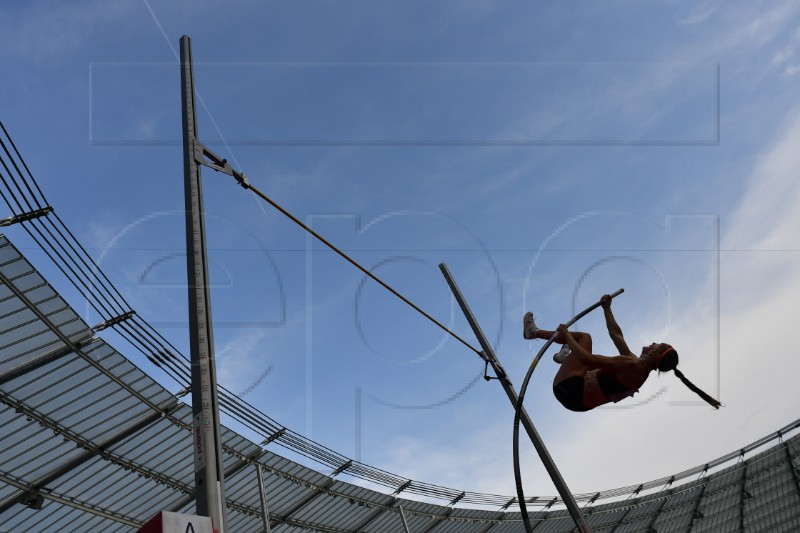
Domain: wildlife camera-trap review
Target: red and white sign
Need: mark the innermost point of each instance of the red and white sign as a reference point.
(165, 522)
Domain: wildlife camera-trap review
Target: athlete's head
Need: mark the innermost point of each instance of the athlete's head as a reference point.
(663, 355)
(666, 358)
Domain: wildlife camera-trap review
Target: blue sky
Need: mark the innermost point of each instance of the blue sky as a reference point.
(544, 152)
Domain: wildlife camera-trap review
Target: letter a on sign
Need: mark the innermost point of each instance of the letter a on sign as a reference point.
(166, 522)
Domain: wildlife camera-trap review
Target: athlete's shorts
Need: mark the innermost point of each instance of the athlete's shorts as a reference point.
(570, 393)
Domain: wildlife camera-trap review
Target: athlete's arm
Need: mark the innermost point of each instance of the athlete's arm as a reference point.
(614, 331)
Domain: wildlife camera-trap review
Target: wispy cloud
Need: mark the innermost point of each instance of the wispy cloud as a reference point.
(49, 31)
(768, 215)
(240, 359)
(785, 59)
(701, 12)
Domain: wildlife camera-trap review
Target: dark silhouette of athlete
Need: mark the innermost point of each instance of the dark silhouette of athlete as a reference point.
(586, 380)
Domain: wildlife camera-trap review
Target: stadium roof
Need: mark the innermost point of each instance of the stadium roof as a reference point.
(91, 443)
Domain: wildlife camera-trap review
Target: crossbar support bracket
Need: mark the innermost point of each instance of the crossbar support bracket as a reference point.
(206, 157)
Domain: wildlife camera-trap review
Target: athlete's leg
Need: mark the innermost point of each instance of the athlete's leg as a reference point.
(571, 366)
(569, 381)
(584, 339)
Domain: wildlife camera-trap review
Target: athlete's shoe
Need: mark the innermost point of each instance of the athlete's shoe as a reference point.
(529, 327)
(561, 356)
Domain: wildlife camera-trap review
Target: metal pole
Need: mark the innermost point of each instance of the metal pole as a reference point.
(544, 455)
(403, 517)
(209, 478)
(264, 508)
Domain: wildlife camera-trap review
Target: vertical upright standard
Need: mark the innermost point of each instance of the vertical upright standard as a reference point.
(208, 478)
(490, 358)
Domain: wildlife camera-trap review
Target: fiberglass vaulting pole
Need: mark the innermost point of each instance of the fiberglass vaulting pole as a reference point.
(209, 478)
(489, 356)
